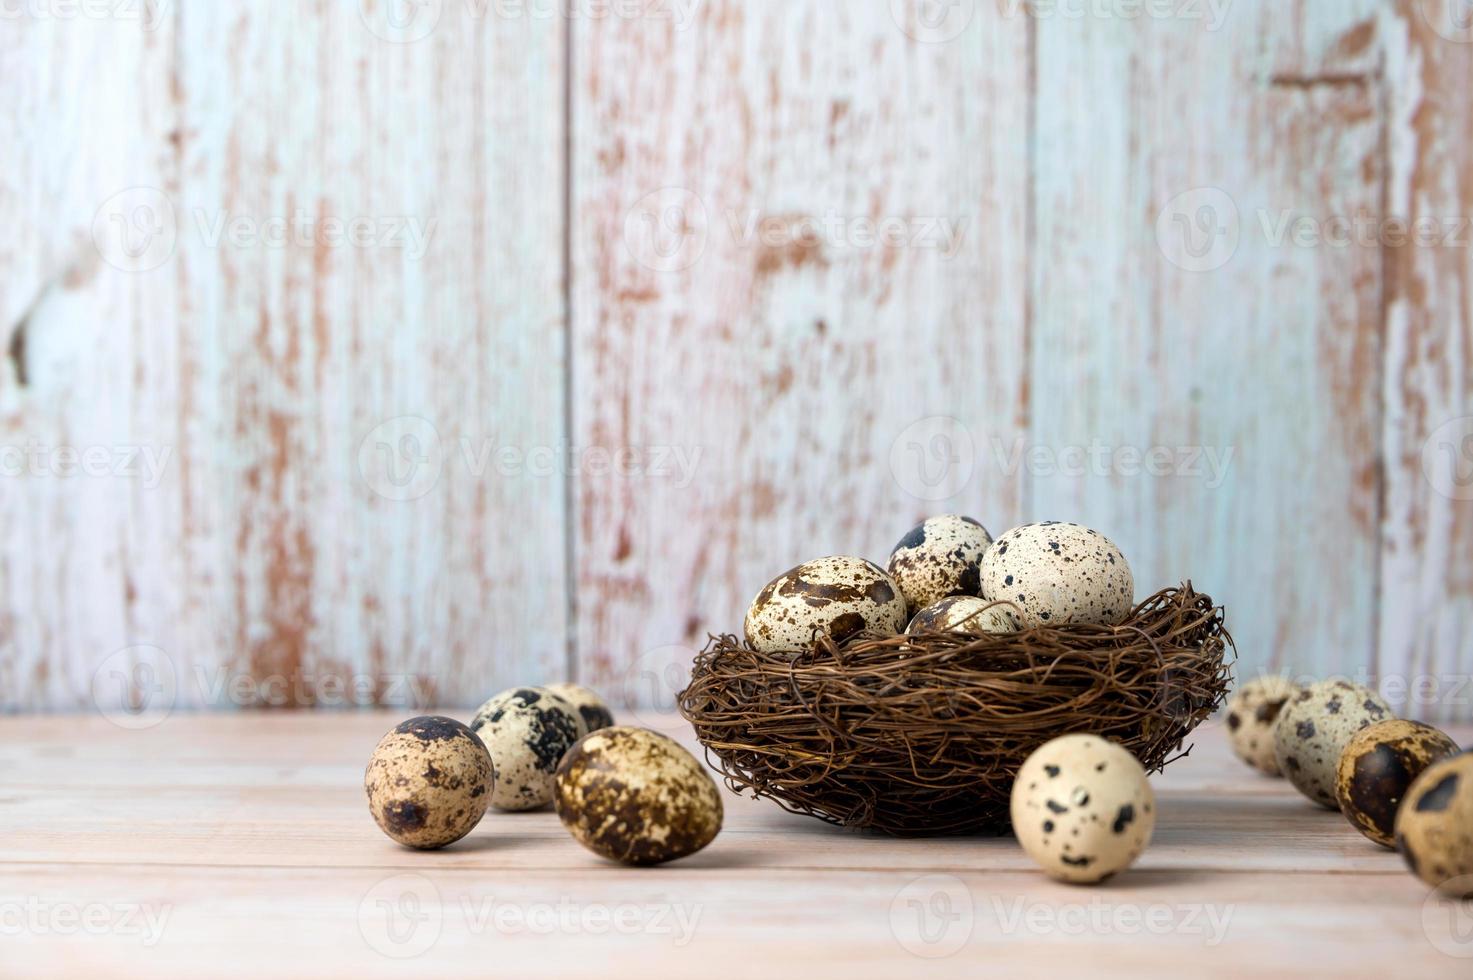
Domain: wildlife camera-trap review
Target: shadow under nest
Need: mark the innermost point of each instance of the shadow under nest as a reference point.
(922, 734)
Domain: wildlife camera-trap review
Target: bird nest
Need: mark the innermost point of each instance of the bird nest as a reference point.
(923, 733)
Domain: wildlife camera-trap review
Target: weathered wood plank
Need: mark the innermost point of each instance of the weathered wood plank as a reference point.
(735, 300)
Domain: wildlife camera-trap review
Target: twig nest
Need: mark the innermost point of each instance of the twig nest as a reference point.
(526, 730)
(1434, 827)
(837, 597)
(1377, 768)
(428, 782)
(636, 796)
(1082, 808)
(592, 710)
(1314, 727)
(1056, 573)
(940, 557)
(961, 614)
(1252, 713)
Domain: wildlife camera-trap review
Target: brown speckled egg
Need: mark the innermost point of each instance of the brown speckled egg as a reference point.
(428, 782)
(837, 595)
(1082, 808)
(591, 708)
(1250, 718)
(940, 557)
(1058, 573)
(636, 796)
(1314, 727)
(1378, 766)
(1434, 827)
(961, 614)
(526, 730)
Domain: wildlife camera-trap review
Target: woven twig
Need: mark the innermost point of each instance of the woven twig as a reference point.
(922, 734)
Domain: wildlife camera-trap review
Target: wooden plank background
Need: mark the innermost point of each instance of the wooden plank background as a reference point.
(418, 351)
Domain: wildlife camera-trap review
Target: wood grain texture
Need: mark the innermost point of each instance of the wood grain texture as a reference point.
(734, 299)
(242, 826)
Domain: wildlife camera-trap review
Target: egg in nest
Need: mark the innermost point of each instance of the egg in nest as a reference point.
(1251, 716)
(961, 614)
(1082, 808)
(1434, 827)
(1056, 573)
(429, 782)
(1377, 768)
(940, 557)
(838, 595)
(1314, 727)
(527, 730)
(591, 708)
(636, 796)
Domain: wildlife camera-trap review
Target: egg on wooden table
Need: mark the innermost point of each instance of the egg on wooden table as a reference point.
(961, 614)
(1251, 715)
(527, 730)
(428, 782)
(1434, 827)
(1082, 808)
(1057, 573)
(591, 708)
(940, 557)
(1377, 768)
(1314, 727)
(636, 796)
(838, 595)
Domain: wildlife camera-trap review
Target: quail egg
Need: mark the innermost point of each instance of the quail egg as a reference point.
(1082, 808)
(591, 708)
(1434, 827)
(837, 595)
(961, 614)
(428, 782)
(526, 730)
(636, 796)
(940, 557)
(1378, 766)
(1251, 714)
(1058, 573)
(1314, 727)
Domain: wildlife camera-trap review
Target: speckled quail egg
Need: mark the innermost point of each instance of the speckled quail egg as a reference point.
(1251, 714)
(429, 782)
(591, 708)
(837, 595)
(1377, 768)
(1434, 827)
(1082, 808)
(940, 557)
(1314, 727)
(636, 796)
(1058, 573)
(961, 614)
(526, 730)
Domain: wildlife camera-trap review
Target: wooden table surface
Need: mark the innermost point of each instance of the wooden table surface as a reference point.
(240, 845)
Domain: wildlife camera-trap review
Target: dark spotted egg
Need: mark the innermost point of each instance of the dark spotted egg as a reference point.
(1434, 827)
(636, 796)
(940, 557)
(1251, 716)
(1082, 808)
(961, 614)
(591, 708)
(1377, 768)
(837, 595)
(1058, 573)
(429, 782)
(1314, 727)
(526, 730)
